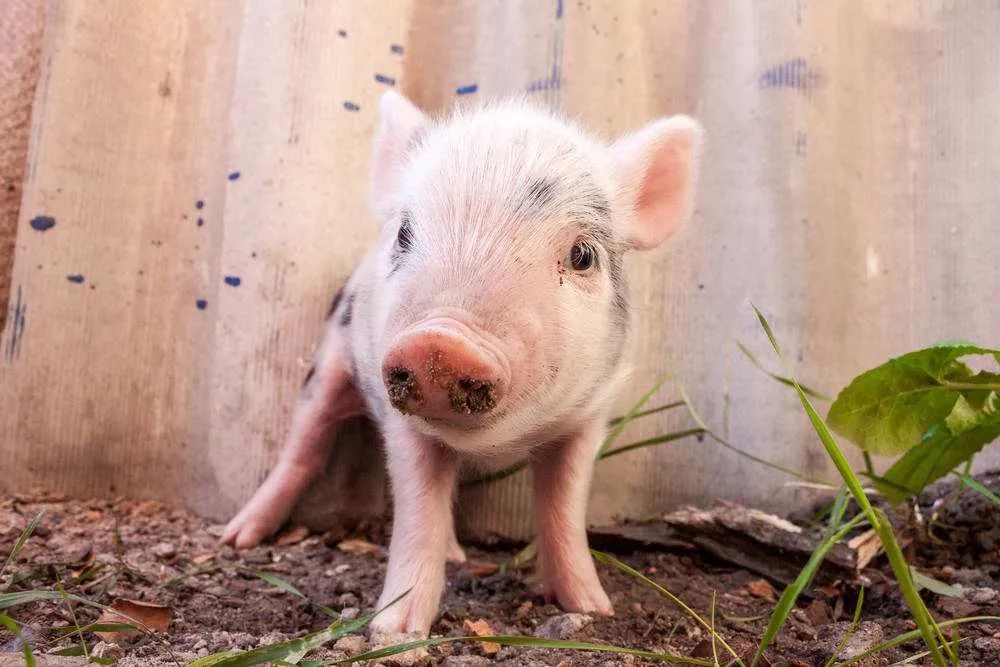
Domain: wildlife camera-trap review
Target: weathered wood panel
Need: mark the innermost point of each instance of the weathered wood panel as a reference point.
(848, 189)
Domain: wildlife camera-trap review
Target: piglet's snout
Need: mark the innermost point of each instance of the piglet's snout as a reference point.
(439, 374)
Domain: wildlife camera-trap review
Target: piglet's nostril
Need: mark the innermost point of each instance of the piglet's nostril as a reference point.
(472, 396)
(402, 387)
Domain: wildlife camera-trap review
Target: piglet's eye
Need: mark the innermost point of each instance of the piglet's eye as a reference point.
(404, 239)
(582, 256)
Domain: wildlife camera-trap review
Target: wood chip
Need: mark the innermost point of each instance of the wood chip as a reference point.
(293, 535)
(481, 568)
(144, 615)
(867, 545)
(355, 546)
(761, 588)
(481, 628)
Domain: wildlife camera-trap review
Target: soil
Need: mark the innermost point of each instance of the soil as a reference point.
(146, 551)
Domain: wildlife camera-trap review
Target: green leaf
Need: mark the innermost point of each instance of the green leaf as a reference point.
(280, 583)
(888, 409)
(921, 580)
(979, 487)
(21, 540)
(963, 433)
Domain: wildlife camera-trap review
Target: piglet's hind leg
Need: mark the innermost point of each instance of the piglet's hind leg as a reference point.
(328, 397)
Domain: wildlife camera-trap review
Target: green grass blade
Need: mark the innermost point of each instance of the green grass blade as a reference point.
(513, 640)
(693, 412)
(491, 477)
(978, 487)
(525, 555)
(281, 584)
(649, 442)
(910, 636)
(608, 559)
(900, 567)
(838, 509)
(19, 544)
(632, 413)
(646, 413)
(780, 378)
(850, 630)
(792, 592)
(15, 628)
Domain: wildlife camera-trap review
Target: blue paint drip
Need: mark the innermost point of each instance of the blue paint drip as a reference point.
(342, 33)
(559, 9)
(75, 278)
(200, 204)
(41, 223)
(201, 304)
(467, 90)
(233, 175)
(232, 281)
(351, 106)
(794, 73)
(17, 325)
(201, 221)
(397, 49)
(382, 78)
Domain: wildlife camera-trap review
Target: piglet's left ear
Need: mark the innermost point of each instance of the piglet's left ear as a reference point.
(654, 169)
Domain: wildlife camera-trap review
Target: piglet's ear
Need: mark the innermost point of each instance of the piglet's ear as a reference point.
(399, 121)
(655, 172)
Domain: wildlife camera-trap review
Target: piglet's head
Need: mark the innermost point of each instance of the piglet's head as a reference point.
(501, 300)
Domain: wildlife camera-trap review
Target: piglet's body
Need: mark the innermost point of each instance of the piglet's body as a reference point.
(487, 324)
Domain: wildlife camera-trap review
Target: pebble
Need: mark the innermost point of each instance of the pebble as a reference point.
(563, 626)
(164, 550)
(990, 645)
(982, 595)
(383, 639)
(465, 661)
(342, 568)
(350, 613)
(351, 644)
(347, 600)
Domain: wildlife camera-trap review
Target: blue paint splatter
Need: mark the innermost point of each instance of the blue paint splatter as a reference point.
(552, 82)
(200, 204)
(201, 221)
(201, 304)
(342, 33)
(794, 73)
(397, 49)
(559, 9)
(232, 281)
(233, 175)
(75, 278)
(41, 223)
(467, 90)
(17, 324)
(351, 106)
(382, 78)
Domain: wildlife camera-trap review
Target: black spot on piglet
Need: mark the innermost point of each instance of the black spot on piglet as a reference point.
(348, 314)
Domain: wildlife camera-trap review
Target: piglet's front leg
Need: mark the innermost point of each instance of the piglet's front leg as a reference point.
(562, 476)
(423, 474)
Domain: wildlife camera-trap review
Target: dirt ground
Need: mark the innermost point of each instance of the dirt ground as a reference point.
(145, 551)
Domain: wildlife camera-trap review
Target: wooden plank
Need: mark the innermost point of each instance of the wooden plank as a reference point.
(848, 189)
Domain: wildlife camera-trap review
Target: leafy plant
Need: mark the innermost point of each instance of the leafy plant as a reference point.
(927, 405)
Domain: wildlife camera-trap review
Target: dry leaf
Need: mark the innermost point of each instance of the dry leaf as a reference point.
(761, 588)
(293, 535)
(481, 628)
(360, 547)
(88, 561)
(867, 545)
(481, 568)
(155, 617)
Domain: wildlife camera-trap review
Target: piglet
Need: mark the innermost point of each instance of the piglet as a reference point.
(487, 324)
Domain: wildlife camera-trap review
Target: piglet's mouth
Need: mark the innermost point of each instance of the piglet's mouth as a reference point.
(441, 372)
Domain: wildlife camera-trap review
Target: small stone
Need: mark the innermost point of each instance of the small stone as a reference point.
(563, 626)
(867, 634)
(982, 595)
(413, 657)
(200, 644)
(164, 550)
(103, 649)
(523, 610)
(465, 661)
(342, 568)
(347, 600)
(349, 613)
(989, 645)
(351, 644)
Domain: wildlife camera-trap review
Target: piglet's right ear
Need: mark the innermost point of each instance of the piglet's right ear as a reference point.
(399, 122)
